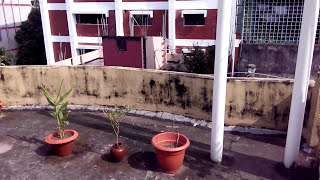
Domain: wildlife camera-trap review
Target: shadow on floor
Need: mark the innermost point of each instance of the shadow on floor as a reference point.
(146, 160)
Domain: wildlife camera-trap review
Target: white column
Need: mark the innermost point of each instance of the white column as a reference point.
(72, 28)
(46, 31)
(301, 81)
(119, 17)
(220, 79)
(172, 25)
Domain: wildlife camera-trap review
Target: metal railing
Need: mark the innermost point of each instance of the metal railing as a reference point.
(272, 21)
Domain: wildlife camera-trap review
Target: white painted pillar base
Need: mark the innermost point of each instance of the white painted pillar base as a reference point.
(220, 79)
(46, 31)
(301, 81)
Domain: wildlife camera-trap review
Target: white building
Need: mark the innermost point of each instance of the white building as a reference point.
(12, 13)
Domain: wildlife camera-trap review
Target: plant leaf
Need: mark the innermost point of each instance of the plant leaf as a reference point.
(59, 92)
(53, 114)
(60, 115)
(66, 115)
(64, 106)
(49, 98)
(64, 96)
(66, 122)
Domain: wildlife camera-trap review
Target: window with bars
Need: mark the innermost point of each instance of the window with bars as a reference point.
(91, 19)
(142, 19)
(272, 21)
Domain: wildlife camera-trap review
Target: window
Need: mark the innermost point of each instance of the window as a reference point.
(91, 19)
(194, 19)
(142, 19)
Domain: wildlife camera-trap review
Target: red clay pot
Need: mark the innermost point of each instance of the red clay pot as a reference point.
(1, 102)
(170, 159)
(62, 147)
(117, 152)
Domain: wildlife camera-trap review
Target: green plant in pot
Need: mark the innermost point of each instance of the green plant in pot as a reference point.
(61, 140)
(170, 150)
(116, 115)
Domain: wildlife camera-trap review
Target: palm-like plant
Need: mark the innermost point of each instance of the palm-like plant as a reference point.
(58, 113)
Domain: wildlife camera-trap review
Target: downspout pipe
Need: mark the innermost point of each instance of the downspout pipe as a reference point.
(220, 79)
(301, 81)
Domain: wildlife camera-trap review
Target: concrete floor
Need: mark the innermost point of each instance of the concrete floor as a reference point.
(25, 155)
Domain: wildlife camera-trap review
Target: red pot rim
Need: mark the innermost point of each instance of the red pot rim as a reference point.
(49, 139)
(155, 144)
(1, 102)
(117, 146)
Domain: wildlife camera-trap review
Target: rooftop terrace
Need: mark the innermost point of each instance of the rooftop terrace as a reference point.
(25, 155)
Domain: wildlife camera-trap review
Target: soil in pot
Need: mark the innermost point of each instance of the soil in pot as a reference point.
(62, 147)
(117, 152)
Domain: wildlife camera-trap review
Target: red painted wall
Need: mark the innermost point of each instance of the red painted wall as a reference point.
(93, 0)
(65, 47)
(56, 1)
(208, 31)
(88, 30)
(142, 0)
(154, 30)
(130, 58)
(58, 23)
(112, 23)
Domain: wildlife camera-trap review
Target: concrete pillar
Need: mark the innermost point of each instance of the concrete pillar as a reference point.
(72, 28)
(220, 79)
(119, 17)
(172, 25)
(301, 81)
(46, 31)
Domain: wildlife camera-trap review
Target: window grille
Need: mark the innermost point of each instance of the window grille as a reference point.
(273, 21)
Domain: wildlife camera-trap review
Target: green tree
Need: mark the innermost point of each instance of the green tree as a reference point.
(195, 61)
(30, 38)
(200, 62)
(6, 57)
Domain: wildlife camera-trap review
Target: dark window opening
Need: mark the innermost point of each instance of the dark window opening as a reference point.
(194, 19)
(83, 51)
(142, 19)
(91, 19)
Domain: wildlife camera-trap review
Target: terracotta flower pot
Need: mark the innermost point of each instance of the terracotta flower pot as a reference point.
(62, 147)
(170, 158)
(117, 152)
(1, 102)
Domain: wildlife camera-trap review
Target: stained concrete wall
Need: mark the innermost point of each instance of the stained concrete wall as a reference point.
(274, 59)
(262, 103)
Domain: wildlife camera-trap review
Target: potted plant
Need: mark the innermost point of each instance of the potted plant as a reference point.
(116, 115)
(1, 102)
(170, 150)
(61, 140)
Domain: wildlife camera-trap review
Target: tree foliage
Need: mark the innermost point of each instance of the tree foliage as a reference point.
(30, 39)
(199, 61)
(6, 57)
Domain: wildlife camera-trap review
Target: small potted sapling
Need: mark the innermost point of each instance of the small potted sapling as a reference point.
(116, 115)
(61, 140)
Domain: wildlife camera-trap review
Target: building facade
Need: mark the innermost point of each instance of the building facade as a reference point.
(72, 27)
(12, 14)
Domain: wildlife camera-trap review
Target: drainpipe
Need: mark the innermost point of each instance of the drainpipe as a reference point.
(119, 17)
(5, 22)
(301, 82)
(172, 25)
(220, 79)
